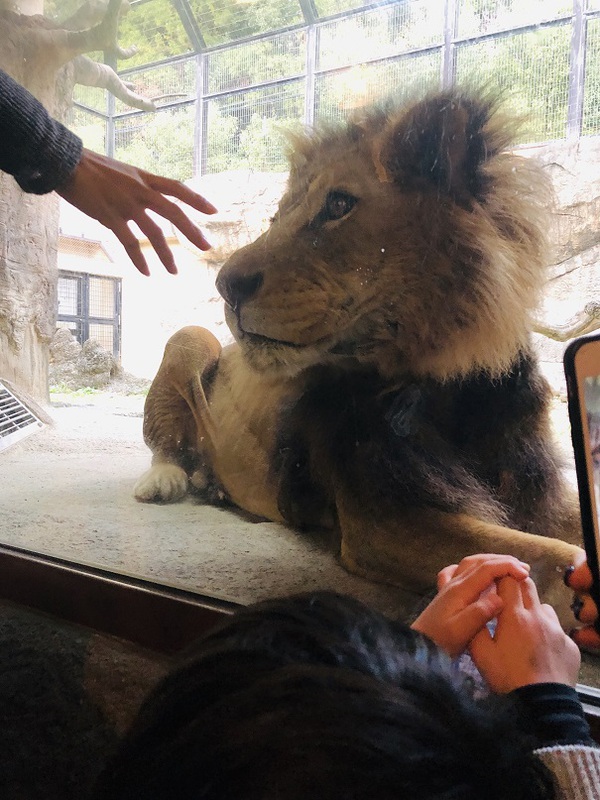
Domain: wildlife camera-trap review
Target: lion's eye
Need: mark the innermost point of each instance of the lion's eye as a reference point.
(337, 205)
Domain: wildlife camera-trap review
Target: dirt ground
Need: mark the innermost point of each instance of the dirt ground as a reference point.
(68, 491)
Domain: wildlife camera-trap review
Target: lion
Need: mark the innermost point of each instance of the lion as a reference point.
(382, 381)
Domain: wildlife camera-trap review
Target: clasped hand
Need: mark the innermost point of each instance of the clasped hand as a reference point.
(528, 644)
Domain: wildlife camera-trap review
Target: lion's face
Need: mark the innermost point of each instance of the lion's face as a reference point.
(406, 241)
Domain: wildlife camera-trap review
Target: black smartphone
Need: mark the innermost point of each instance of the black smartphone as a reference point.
(582, 372)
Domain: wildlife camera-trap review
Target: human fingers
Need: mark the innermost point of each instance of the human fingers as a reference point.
(132, 246)
(529, 594)
(158, 242)
(174, 188)
(584, 609)
(528, 646)
(445, 575)
(484, 575)
(510, 591)
(466, 603)
(179, 218)
(452, 628)
(472, 619)
(579, 577)
(470, 563)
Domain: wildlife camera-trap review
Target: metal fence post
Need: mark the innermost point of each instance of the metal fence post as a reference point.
(450, 32)
(577, 71)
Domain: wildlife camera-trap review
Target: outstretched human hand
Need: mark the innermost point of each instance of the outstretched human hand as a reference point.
(115, 194)
(528, 645)
(467, 600)
(579, 578)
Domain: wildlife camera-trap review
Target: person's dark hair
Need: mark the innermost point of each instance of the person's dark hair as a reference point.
(317, 696)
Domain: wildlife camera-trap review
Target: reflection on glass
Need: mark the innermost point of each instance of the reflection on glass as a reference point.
(230, 81)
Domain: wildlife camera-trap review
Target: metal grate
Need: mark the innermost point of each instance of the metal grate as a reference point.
(90, 307)
(16, 420)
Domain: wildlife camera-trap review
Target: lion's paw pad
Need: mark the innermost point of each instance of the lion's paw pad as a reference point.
(162, 482)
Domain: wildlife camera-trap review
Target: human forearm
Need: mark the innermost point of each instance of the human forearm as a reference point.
(37, 150)
(552, 714)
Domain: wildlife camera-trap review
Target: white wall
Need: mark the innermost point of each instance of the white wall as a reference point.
(154, 308)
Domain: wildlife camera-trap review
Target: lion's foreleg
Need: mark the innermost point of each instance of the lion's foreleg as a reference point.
(177, 422)
(409, 549)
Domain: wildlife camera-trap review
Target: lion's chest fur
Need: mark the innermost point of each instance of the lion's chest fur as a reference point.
(475, 446)
(245, 408)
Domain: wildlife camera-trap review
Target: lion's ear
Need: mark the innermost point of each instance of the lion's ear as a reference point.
(441, 142)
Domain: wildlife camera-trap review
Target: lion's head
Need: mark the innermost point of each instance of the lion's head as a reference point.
(409, 239)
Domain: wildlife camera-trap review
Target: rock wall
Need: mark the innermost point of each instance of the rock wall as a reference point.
(574, 276)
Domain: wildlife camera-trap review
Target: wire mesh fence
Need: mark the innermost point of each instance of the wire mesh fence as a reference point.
(223, 103)
(90, 307)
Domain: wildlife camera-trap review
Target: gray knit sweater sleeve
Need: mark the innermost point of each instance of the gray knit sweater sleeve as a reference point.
(576, 769)
(36, 149)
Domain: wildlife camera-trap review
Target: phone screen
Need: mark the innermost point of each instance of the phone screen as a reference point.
(582, 367)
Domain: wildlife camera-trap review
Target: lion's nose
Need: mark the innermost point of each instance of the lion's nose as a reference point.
(236, 289)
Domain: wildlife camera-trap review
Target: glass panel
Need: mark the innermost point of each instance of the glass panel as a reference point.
(89, 127)
(340, 93)
(169, 83)
(591, 107)
(101, 297)
(277, 57)
(245, 129)
(159, 142)
(103, 335)
(383, 32)
(74, 327)
(327, 8)
(255, 87)
(68, 296)
(156, 29)
(91, 97)
(533, 68)
(486, 16)
(228, 20)
(60, 10)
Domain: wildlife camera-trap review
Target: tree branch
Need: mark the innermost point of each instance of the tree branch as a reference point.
(100, 37)
(91, 73)
(582, 323)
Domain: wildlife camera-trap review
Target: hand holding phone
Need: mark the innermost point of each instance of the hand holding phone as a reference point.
(582, 372)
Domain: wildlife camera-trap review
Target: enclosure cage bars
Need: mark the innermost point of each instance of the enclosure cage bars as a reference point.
(579, 21)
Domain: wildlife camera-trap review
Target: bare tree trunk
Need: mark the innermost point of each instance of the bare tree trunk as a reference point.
(28, 235)
(47, 59)
(28, 278)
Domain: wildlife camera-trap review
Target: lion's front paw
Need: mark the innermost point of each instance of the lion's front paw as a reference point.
(162, 483)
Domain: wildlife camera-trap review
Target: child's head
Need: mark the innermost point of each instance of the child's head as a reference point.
(317, 696)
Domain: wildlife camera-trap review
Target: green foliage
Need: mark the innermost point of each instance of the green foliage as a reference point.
(90, 128)
(223, 21)
(328, 7)
(268, 59)
(156, 30)
(591, 110)
(244, 123)
(245, 129)
(60, 10)
(162, 142)
(62, 389)
(533, 70)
